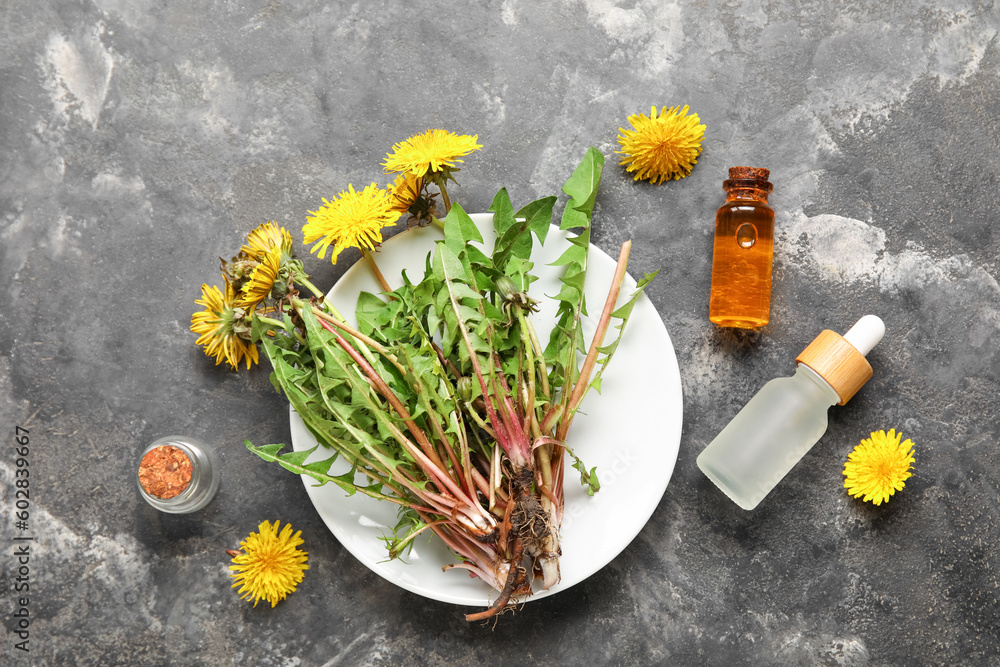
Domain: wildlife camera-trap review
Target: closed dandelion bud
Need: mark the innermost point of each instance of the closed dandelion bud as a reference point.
(243, 329)
(280, 288)
(464, 388)
(513, 298)
(506, 288)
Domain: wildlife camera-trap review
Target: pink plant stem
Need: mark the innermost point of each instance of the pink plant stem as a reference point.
(483, 485)
(357, 335)
(388, 394)
(465, 565)
(466, 466)
(602, 328)
(517, 430)
(510, 421)
(464, 547)
(428, 459)
(501, 435)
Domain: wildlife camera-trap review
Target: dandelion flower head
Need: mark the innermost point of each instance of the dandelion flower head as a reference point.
(434, 151)
(661, 146)
(271, 564)
(266, 237)
(262, 280)
(878, 467)
(404, 192)
(352, 220)
(219, 327)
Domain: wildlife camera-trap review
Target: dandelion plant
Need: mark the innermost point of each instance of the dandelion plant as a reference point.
(442, 398)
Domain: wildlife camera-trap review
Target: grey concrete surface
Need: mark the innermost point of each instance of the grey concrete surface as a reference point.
(140, 140)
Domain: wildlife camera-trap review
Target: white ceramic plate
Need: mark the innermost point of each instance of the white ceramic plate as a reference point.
(631, 432)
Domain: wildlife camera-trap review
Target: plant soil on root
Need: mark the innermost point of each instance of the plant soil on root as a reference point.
(526, 531)
(529, 523)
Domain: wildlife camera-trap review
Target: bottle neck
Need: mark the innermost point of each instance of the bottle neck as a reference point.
(823, 388)
(752, 189)
(749, 194)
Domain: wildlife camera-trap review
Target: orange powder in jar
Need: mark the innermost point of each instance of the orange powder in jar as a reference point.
(165, 472)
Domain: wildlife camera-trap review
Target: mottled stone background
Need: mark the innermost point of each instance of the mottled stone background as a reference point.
(140, 140)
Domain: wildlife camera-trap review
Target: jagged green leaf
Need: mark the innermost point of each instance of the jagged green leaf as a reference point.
(582, 189)
(588, 478)
(295, 462)
(460, 229)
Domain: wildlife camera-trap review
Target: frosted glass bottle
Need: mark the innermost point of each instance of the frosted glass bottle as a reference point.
(789, 415)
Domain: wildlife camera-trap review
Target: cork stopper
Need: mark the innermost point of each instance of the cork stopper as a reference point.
(748, 177)
(840, 360)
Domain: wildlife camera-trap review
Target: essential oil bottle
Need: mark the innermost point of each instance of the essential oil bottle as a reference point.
(743, 251)
(788, 415)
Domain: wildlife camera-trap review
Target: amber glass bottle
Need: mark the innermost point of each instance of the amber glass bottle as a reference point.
(743, 251)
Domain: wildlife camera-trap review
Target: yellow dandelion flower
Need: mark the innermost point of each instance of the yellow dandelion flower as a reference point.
(404, 191)
(217, 324)
(432, 151)
(271, 565)
(661, 147)
(878, 467)
(351, 220)
(265, 237)
(261, 281)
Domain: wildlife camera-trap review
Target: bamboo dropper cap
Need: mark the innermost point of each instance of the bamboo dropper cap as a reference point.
(840, 360)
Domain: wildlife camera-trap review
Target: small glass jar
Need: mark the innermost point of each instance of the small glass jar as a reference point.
(743, 251)
(178, 474)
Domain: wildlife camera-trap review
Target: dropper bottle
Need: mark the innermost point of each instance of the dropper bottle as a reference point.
(788, 415)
